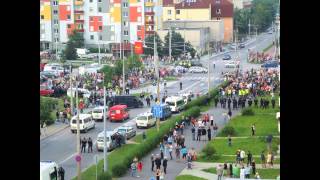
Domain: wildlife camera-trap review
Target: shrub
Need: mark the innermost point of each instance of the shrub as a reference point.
(104, 176)
(209, 151)
(228, 130)
(247, 112)
(119, 169)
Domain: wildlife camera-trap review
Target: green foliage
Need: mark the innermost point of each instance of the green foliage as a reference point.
(48, 106)
(96, 50)
(104, 176)
(209, 151)
(247, 112)
(76, 39)
(118, 169)
(149, 41)
(176, 44)
(133, 62)
(228, 130)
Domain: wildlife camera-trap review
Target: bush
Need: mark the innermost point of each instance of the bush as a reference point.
(247, 112)
(104, 176)
(119, 169)
(228, 130)
(209, 151)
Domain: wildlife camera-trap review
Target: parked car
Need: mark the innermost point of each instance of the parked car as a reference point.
(118, 113)
(48, 74)
(85, 120)
(44, 91)
(242, 45)
(226, 57)
(127, 131)
(145, 120)
(130, 101)
(197, 69)
(231, 64)
(270, 64)
(111, 142)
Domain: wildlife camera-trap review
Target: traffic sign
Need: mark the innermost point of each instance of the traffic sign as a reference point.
(78, 158)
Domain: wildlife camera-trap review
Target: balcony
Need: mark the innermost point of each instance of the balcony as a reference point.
(78, 2)
(149, 13)
(80, 30)
(80, 21)
(149, 21)
(78, 11)
(149, 4)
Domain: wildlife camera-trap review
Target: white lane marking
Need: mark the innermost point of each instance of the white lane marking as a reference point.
(71, 156)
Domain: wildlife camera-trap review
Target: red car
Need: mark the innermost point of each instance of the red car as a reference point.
(44, 91)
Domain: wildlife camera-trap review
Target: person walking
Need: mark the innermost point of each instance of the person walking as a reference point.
(164, 164)
(89, 145)
(148, 101)
(158, 162)
(263, 159)
(61, 173)
(133, 169)
(193, 131)
(242, 155)
(170, 151)
(249, 158)
(180, 85)
(139, 166)
(211, 120)
(269, 157)
(177, 151)
(83, 145)
(253, 129)
(199, 134)
(209, 133)
(219, 171)
(253, 165)
(158, 173)
(229, 140)
(230, 170)
(152, 161)
(242, 173)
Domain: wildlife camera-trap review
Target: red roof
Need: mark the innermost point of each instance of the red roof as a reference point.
(225, 6)
(120, 106)
(198, 4)
(167, 3)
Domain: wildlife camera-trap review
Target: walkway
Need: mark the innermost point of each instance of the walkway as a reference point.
(53, 129)
(176, 166)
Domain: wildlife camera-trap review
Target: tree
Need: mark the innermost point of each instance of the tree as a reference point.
(133, 62)
(149, 41)
(77, 39)
(190, 49)
(176, 44)
(70, 52)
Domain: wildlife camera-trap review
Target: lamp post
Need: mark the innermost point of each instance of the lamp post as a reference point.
(78, 134)
(105, 149)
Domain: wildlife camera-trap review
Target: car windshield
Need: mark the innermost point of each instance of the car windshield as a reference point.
(122, 130)
(100, 139)
(142, 118)
(75, 121)
(171, 103)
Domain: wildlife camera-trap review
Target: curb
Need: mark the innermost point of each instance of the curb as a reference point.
(54, 133)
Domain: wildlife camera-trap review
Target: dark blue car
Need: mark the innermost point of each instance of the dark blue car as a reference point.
(270, 64)
(226, 57)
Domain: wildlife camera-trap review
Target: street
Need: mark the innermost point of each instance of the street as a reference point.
(61, 147)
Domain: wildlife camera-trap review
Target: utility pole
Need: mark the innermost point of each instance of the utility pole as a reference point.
(105, 149)
(209, 69)
(71, 98)
(170, 51)
(155, 57)
(249, 28)
(78, 133)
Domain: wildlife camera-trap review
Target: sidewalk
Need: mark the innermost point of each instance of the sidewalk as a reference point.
(176, 166)
(152, 89)
(197, 168)
(53, 129)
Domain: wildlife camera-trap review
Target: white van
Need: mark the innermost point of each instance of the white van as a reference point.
(100, 141)
(145, 120)
(48, 170)
(85, 122)
(86, 93)
(97, 113)
(176, 103)
(55, 68)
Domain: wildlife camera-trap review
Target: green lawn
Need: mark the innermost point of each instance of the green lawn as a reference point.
(138, 94)
(267, 48)
(170, 78)
(231, 159)
(115, 156)
(189, 177)
(264, 173)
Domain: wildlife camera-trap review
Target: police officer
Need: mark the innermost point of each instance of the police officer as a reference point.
(216, 100)
(255, 102)
(83, 145)
(180, 85)
(229, 103)
(273, 102)
(234, 103)
(249, 102)
(89, 145)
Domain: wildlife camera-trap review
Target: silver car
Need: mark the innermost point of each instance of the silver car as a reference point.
(127, 131)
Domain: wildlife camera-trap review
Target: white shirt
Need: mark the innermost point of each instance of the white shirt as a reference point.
(242, 154)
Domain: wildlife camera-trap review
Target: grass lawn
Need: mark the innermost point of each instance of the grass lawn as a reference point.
(170, 78)
(138, 94)
(231, 159)
(189, 177)
(267, 48)
(264, 173)
(253, 144)
(115, 156)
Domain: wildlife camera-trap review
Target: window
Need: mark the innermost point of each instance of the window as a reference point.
(68, 17)
(178, 11)
(139, 38)
(126, 33)
(125, 14)
(125, 4)
(125, 23)
(139, 9)
(91, 28)
(56, 30)
(68, 8)
(91, 37)
(99, 0)
(55, 3)
(56, 39)
(139, 28)
(169, 12)
(100, 18)
(69, 26)
(91, 18)
(55, 21)
(218, 11)
(100, 28)
(217, 1)
(126, 41)
(55, 11)
(100, 37)
(139, 18)
(218, 18)
(90, 1)
(99, 9)
(42, 16)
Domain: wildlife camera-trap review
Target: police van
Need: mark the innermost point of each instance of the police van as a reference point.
(48, 170)
(176, 103)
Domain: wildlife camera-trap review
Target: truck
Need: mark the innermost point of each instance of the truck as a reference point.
(164, 109)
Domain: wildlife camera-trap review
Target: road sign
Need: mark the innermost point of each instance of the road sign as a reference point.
(157, 111)
(78, 158)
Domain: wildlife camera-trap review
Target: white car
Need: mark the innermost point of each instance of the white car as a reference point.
(197, 69)
(97, 113)
(231, 64)
(85, 122)
(86, 93)
(145, 120)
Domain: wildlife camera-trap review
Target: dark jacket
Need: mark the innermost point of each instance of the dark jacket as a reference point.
(164, 163)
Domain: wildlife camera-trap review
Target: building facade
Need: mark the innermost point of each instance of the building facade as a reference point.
(103, 23)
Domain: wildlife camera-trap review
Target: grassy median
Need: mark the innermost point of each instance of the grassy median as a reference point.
(189, 177)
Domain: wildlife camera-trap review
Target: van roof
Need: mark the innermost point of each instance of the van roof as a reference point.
(174, 98)
(81, 116)
(109, 133)
(47, 164)
(100, 107)
(119, 106)
(145, 114)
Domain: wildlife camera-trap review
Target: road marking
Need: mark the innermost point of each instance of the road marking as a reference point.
(61, 162)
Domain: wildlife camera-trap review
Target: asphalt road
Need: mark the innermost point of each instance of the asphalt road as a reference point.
(61, 147)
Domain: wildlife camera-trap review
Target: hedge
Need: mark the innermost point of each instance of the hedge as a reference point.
(48, 107)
